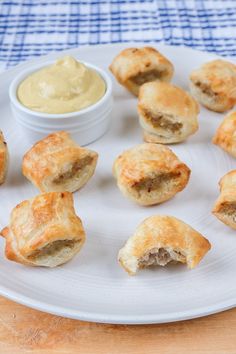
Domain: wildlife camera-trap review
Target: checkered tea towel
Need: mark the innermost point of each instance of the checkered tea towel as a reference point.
(29, 28)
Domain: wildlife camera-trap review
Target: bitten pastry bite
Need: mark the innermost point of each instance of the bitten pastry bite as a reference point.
(159, 240)
(150, 174)
(225, 206)
(135, 66)
(225, 134)
(44, 231)
(57, 163)
(167, 113)
(4, 157)
(214, 85)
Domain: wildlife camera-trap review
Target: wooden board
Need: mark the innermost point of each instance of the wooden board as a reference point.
(23, 330)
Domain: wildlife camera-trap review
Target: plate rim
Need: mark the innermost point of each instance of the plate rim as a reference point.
(54, 54)
(97, 316)
(116, 319)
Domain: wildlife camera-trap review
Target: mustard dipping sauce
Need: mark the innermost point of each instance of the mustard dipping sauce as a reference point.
(66, 86)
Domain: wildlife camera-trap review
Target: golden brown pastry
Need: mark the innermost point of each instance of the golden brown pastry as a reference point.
(4, 157)
(225, 134)
(135, 66)
(161, 239)
(58, 164)
(150, 174)
(44, 231)
(214, 85)
(225, 206)
(167, 113)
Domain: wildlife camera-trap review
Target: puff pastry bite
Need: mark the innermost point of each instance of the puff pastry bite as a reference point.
(167, 113)
(135, 66)
(161, 239)
(225, 136)
(57, 163)
(4, 157)
(225, 206)
(214, 85)
(44, 231)
(150, 174)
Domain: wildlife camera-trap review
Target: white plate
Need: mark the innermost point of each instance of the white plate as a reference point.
(93, 286)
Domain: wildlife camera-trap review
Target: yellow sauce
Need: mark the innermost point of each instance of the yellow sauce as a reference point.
(66, 86)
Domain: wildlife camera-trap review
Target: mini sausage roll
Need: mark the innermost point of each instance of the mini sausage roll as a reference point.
(135, 66)
(44, 231)
(58, 164)
(225, 206)
(150, 174)
(159, 240)
(214, 85)
(167, 113)
(225, 134)
(4, 157)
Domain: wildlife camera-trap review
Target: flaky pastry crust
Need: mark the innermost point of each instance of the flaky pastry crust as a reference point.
(214, 85)
(57, 163)
(150, 174)
(225, 205)
(4, 157)
(135, 66)
(44, 231)
(167, 113)
(225, 134)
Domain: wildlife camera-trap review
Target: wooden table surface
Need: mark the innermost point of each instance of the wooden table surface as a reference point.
(23, 330)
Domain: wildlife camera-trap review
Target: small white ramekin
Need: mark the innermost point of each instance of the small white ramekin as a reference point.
(85, 126)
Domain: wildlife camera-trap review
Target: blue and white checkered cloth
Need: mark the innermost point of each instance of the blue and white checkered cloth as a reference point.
(29, 28)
